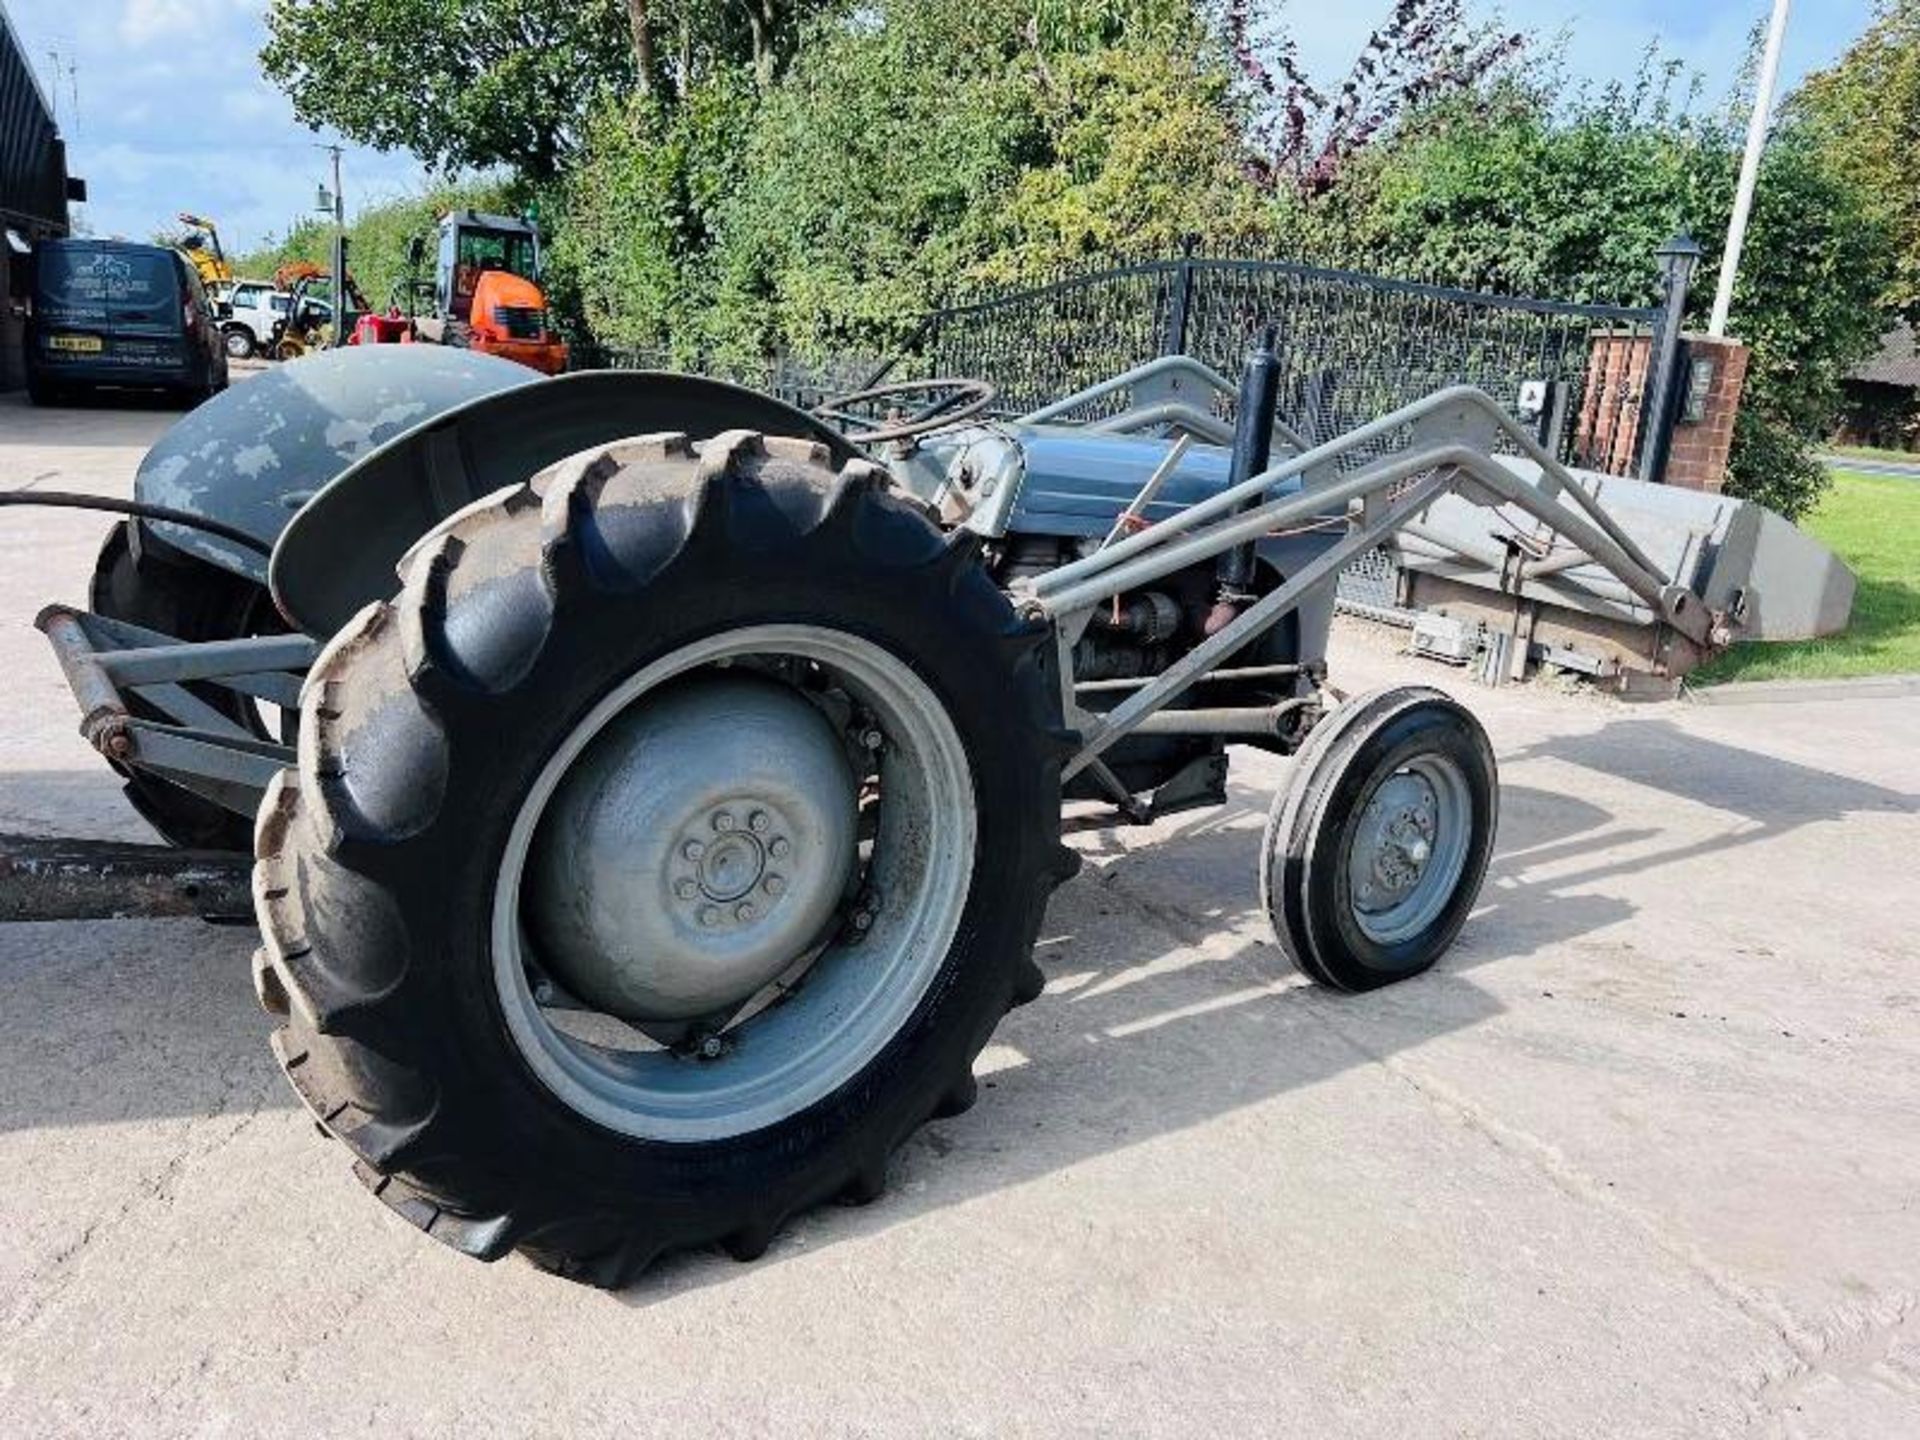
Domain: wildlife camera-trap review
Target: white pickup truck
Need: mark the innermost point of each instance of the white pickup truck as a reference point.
(254, 309)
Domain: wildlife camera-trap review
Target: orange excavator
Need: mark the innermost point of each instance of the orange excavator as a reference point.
(485, 294)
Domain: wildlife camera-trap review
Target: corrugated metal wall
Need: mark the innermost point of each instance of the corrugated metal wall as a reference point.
(33, 162)
(33, 191)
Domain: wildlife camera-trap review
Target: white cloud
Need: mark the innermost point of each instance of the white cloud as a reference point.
(165, 111)
(144, 21)
(252, 104)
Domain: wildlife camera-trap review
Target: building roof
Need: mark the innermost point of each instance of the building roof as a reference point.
(1898, 362)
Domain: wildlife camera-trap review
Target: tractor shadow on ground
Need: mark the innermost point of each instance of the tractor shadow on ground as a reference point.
(70, 805)
(121, 1020)
(1769, 796)
(1169, 1005)
(111, 1021)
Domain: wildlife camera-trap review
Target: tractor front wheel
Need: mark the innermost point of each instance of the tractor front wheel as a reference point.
(661, 857)
(1375, 852)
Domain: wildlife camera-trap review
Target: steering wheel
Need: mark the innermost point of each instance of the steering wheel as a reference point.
(955, 400)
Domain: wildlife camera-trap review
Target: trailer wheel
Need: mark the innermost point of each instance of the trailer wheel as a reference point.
(661, 857)
(1375, 852)
(161, 589)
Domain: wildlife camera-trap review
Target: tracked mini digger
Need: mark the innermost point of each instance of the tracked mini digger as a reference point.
(651, 792)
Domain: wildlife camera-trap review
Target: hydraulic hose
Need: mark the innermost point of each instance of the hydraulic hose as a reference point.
(139, 509)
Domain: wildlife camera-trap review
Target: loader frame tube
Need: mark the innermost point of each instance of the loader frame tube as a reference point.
(1455, 433)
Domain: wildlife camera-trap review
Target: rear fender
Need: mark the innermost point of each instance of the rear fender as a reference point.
(254, 454)
(341, 551)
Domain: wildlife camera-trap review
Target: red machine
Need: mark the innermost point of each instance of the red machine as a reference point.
(485, 295)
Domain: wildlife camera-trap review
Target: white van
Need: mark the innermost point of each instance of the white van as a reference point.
(255, 309)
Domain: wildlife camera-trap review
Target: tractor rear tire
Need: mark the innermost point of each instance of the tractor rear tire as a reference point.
(158, 588)
(388, 885)
(1375, 852)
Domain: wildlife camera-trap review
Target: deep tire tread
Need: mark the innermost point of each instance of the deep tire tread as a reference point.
(376, 734)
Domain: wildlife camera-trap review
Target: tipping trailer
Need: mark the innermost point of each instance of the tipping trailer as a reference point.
(648, 793)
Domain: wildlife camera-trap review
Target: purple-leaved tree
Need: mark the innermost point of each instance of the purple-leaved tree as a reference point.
(1302, 135)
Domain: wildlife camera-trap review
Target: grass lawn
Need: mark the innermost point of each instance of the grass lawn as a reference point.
(1873, 523)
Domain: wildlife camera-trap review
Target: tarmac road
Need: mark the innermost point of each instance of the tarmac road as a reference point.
(1641, 1158)
(1866, 465)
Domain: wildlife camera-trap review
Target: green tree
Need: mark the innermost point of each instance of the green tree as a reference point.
(481, 83)
(1540, 194)
(508, 82)
(1864, 112)
(913, 144)
(637, 214)
(918, 144)
(678, 44)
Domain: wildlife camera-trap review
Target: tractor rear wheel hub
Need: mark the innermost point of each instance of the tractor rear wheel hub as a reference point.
(698, 849)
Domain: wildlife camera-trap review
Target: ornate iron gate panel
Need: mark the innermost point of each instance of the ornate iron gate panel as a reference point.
(1351, 347)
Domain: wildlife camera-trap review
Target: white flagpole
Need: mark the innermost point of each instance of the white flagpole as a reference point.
(1750, 168)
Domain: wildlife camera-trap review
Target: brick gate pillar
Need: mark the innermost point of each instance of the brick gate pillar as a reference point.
(1715, 377)
(1606, 433)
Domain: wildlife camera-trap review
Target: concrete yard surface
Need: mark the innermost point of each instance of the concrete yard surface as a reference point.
(1640, 1158)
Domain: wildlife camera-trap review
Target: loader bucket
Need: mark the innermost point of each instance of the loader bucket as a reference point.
(1482, 565)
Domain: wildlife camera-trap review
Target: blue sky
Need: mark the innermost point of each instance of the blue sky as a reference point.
(171, 113)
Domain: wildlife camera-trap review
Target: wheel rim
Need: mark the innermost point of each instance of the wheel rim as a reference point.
(754, 1017)
(703, 840)
(238, 345)
(1409, 848)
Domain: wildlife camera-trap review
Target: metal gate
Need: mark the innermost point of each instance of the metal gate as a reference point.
(1351, 347)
